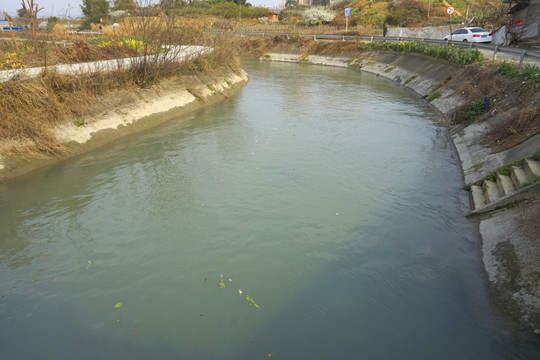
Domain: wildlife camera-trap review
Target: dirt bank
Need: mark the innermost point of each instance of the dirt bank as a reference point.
(125, 112)
(504, 133)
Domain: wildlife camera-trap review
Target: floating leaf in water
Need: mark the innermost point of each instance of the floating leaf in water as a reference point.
(89, 264)
(118, 305)
(221, 284)
(250, 299)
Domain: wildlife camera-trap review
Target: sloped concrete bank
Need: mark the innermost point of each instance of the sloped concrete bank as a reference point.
(510, 233)
(142, 109)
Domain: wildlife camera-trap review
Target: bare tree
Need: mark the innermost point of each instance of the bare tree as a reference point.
(11, 31)
(31, 9)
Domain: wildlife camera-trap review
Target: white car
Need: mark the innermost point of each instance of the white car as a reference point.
(470, 34)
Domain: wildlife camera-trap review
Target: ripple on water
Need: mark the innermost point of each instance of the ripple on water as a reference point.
(327, 196)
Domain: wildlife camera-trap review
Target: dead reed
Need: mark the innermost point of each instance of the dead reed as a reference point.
(31, 108)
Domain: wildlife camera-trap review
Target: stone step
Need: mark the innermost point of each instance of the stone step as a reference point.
(505, 184)
(477, 197)
(520, 177)
(506, 190)
(492, 191)
(532, 167)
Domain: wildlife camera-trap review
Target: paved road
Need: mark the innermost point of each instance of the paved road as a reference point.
(488, 54)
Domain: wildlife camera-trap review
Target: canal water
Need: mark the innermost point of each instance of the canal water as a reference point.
(317, 214)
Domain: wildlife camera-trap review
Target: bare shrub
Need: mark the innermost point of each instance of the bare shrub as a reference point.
(31, 108)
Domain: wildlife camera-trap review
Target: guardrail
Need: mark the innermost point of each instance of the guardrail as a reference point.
(496, 49)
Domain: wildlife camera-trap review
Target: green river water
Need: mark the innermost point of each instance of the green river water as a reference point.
(327, 196)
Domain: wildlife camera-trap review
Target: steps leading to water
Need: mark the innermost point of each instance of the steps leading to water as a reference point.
(505, 184)
(490, 194)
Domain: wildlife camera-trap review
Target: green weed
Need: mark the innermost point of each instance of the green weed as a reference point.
(477, 107)
(437, 94)
(502, 170)
(78, 122)
(451, 53)
(507, 69)
(535, 156)
(411, 79)
(529, 72)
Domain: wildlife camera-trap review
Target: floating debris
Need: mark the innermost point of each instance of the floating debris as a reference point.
(252, 302)
(118, 305)
(89, 264)
(221, 284)
(239, 292)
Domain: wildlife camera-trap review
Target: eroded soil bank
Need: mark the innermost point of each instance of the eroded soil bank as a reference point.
(504, 133)
(124, 112)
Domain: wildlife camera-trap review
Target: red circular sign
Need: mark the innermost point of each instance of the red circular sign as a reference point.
(450, 10)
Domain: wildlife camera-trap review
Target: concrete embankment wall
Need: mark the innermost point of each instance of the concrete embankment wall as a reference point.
(143, 109)
(509, 237)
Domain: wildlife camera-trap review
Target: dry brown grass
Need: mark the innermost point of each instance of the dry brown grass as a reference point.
(515, 100)
(255, 47)
(332, 48)
(31, 108)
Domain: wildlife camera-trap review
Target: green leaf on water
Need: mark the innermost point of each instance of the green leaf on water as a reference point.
(250, 299)
(118, 305)
(221, 283)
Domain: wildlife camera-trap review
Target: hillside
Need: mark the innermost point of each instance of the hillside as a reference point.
(416, 13)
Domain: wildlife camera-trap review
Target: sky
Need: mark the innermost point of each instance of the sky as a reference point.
(72, 8)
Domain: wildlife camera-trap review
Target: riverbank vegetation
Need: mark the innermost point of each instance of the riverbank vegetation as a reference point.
(529, 72)
(32, 107)
(454, 54)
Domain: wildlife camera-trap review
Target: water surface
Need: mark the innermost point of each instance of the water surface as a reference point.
(327, 196)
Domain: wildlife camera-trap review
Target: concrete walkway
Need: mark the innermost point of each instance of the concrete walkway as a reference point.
(174, 53)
